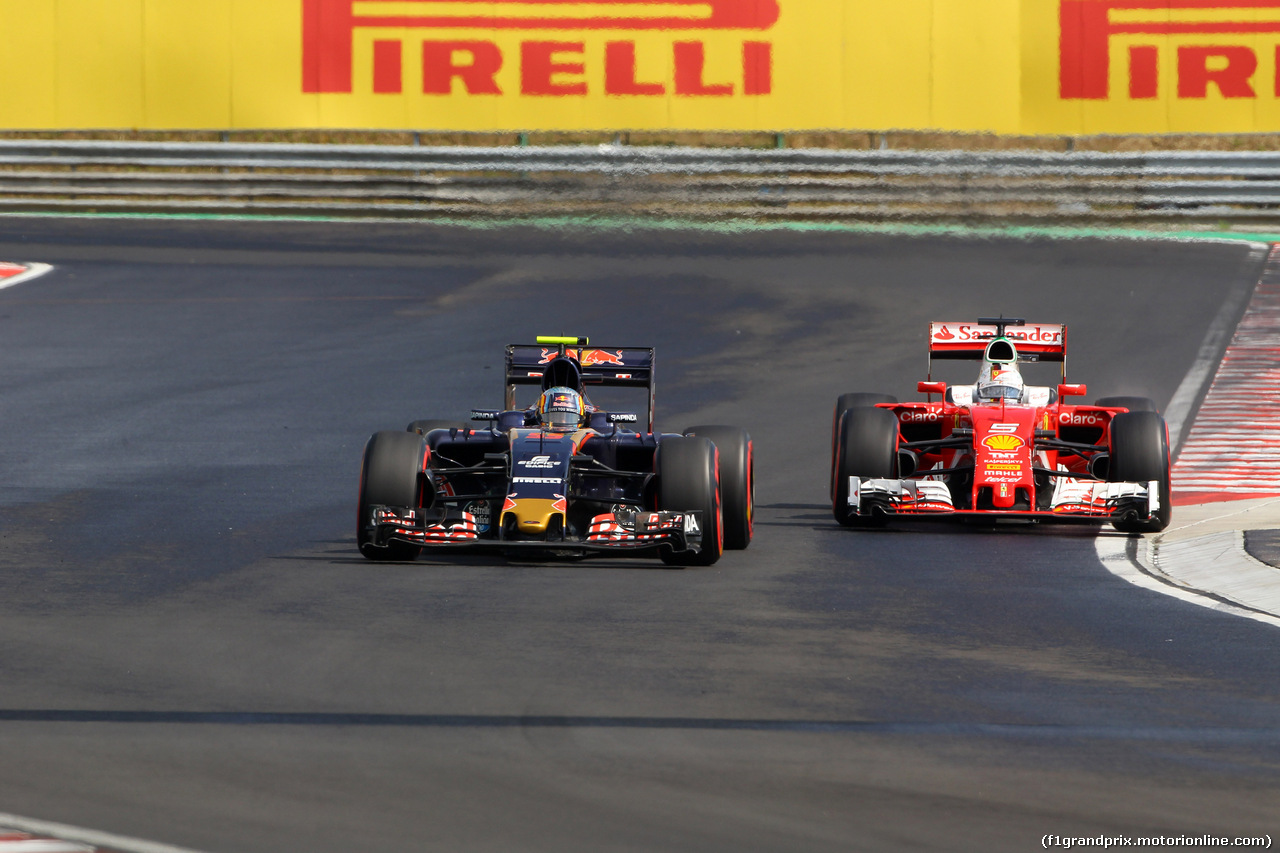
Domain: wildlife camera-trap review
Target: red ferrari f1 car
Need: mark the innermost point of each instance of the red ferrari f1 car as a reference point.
(1000, 448)
(561, 477)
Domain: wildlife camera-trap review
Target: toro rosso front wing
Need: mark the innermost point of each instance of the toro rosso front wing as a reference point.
(612, 532)
(1072, 500)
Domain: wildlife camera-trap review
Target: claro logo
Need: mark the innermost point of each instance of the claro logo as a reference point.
(554, 67)
(1228, 62)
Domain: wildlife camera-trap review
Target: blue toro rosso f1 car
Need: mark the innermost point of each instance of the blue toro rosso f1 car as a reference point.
(561, 477)
(1000, 448)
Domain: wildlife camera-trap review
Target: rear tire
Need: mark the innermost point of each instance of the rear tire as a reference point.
(425, 426)
(867, 447)
(389, 477)
(1133, 404)
(688, 479)
(1139, 454)
(737, 481)
(845, 402)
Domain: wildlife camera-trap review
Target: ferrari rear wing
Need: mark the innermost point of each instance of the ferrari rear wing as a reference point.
(968, 341)
(631, 367)
(1035, 342)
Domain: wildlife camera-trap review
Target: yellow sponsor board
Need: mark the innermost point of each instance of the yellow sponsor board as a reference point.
(1007, 66)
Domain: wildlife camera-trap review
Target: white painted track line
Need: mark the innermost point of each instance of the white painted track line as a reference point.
(11, 274)
(1230, 458)
(74, 839)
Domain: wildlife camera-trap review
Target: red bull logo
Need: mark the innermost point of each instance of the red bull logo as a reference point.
(585, 357)
(1229, 65)
(547, 67)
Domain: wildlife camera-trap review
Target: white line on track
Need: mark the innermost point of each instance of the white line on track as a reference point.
(1233, 448)
(8, 278)
(1130, 559)
(72, 839)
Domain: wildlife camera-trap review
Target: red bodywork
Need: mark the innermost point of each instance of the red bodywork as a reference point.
(1003, 448)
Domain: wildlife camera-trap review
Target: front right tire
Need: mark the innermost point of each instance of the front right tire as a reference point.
(845, 402)
(866, 447)
(389, 476)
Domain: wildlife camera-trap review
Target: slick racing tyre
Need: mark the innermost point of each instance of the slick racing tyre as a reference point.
(389, 477)
(1133, 404)
(867, 447)
(852, 400)
(425, 426)
(737, 481)
(1139, 454)
(688, 479)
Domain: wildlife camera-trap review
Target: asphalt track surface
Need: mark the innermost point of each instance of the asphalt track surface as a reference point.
(192, 651)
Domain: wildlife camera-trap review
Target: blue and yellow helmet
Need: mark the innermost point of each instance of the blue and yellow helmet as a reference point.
(561, 408)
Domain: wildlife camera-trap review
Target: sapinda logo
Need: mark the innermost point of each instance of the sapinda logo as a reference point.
(1227, 64)
(538, 462)
(553, 67)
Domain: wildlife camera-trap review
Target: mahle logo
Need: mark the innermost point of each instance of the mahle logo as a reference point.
(1220, 52)
(556, 66)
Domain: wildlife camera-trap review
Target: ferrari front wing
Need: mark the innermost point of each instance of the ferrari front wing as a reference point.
(1072, 500)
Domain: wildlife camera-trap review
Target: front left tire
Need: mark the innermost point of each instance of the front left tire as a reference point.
(1140, 454)
(689, 479)
(737, 481)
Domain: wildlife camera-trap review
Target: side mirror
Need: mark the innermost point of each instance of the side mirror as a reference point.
(931, 387)
(1072, 391)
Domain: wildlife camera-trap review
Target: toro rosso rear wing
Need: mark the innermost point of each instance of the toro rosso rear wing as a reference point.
(1035, 342)
(631, 367)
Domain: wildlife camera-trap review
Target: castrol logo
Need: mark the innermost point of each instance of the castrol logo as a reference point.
(1003, 442)
(1082, 418)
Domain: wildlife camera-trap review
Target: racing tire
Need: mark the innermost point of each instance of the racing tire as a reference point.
(867, 446)
(1139, 454)
(689, 479)
(389, 476)
(737, 481)
(1133, 404)
(845, 402)
(425, 426)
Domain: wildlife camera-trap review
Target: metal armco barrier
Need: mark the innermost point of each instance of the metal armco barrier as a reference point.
(413, 181)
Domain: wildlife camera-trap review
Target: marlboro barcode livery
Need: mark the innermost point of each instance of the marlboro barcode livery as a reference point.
(561, 476)
(1000, 448)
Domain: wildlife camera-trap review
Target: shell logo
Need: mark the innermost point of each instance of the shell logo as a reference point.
(1003, 442)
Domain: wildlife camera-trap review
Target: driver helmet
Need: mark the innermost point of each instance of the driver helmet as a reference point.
(561, 409)
(1004, 382)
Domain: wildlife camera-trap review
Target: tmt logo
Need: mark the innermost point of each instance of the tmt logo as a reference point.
(547, 66)
(1229, 64)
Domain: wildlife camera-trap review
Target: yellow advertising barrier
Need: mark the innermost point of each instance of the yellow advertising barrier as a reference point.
(1007, 66)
